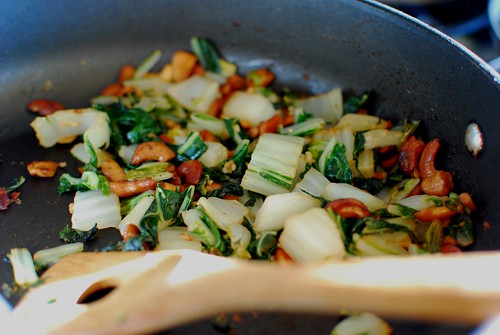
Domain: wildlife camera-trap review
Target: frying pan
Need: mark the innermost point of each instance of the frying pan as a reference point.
(69, 51)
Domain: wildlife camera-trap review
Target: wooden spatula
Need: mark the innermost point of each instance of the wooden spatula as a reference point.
(154, 291)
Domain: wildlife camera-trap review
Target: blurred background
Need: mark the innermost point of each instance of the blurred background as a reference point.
(474, 23)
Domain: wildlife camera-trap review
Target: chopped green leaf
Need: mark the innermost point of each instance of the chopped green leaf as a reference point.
(206, 54)
(337, 167)
(353, 104)
(88, 181)
(192, 148)
(15, 184)
(70, 235)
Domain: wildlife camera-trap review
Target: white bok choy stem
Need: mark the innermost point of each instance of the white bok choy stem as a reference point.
(228, 215)
(137, 213)
(23, 267)
(223, 212)
(47, 257)
(312, 237)
(274, 164)
(278, 207)
(65, 125)
(172, 238)
(415, 202)
(196, 94)
(327, 106)
(215, 125)
(79, 152)
(360, 122)
(312, 183)
(362, 323)
(382, 138)
(252, 108)
(93, 207)
(215, 154)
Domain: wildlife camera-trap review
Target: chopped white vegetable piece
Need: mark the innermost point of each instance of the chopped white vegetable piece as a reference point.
(215, 154)
(22, 266)
(196, 94)
(313, 183)
(223, 212)
(328, 106)
(215, 125)
(278, 207)
(50, 256)
(137, 213)
(366, 163)
(312, 236)
(63, 125)
(172, 238)
(93, 207)
(382, 138)
(359, 122)
(127, 151)
(362, 323)
(78, 151)
(274, 164)
(252, 108)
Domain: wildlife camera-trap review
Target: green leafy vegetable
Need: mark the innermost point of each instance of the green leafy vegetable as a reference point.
(359, 144)
(15, 184)
(355, 103)
(154, 170)
(128, 204)
(202, 226)
(372, 185)
(88, 181)
(70, 235)
(236, 132)
(193, 148)
(132, 125)
(206, 54)
(147, 239)
(336, 167)
(170, 204)
(147, 64)
(461, 229)
(434, 236)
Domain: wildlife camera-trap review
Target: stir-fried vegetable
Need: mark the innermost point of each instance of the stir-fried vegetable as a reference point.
(199, 153)
(199, 156)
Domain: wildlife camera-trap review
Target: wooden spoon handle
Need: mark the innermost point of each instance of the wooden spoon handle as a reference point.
(161, 290)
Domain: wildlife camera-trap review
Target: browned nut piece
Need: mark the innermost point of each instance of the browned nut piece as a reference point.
(183, 63)
(282, 257)
(168, 186)
(112, 170)
(210, 187)
(409, 155)
(426, 163)
(44, 107)
(467, 201)
(43, 169)
(439, 184)
(114, 89)
(130, 231)
(349, 208)
(126, 72)
(124, 189)
(152, 151)
(435, 213)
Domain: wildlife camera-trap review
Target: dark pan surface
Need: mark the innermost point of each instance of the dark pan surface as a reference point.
(76, 48)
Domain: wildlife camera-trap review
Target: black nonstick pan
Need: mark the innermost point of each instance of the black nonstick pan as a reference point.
(69, 50)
